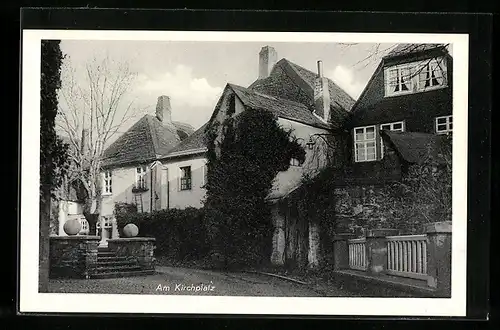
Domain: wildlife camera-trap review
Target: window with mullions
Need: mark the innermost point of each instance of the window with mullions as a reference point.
(185, 182)
(444, 124)
(365, 146)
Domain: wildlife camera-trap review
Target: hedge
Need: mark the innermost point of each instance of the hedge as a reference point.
(180, 234)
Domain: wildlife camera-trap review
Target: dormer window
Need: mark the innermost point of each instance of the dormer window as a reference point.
(415, 77)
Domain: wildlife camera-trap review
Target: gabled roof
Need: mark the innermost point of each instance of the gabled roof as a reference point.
(417, 148)
(143, 142)
(280, 107)
(339, 98)
(407, 49)
(194, 143)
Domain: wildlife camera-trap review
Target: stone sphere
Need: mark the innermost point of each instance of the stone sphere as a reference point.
(130, 230)
(72, 227)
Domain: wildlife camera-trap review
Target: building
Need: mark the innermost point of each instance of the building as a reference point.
(131, 172)
(410, 93)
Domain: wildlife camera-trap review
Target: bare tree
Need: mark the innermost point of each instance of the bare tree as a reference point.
(94, 104)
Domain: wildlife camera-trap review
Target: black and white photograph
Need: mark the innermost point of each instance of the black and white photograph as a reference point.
(207, 172)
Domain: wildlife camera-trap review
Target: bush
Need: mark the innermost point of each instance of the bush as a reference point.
(180, 234)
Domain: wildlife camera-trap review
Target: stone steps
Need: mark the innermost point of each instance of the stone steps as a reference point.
(109, 265)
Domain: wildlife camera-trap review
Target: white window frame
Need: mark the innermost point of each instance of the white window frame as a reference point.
(295, 162)
(417, 72)
(365, 143)
(107, 182)
(140, 177)
(448, 124)
(392, 129)
(431, 66)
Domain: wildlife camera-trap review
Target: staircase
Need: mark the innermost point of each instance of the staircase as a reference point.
(109, 265)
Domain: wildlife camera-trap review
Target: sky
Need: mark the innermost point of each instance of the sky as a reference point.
(193, 74)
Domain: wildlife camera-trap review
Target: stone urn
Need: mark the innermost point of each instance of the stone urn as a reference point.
(130, 230)
(72, 227)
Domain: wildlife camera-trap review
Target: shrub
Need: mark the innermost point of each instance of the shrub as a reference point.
(180, 234)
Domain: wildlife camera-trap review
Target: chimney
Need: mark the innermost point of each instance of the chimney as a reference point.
(163, 109)
(321, 95)
(267, 59)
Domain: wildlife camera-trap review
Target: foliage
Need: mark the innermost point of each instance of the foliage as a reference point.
(422, 196)
(245, 154)
(53, 151)
(180, 234)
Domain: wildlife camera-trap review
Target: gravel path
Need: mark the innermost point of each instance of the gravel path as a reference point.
(185, 281)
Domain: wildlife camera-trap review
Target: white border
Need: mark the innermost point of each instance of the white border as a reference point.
(32, 301)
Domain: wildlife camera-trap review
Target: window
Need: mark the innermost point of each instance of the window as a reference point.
(415, 76)
(108, 222)
(431, 74)
(294, 162)
(107, 183)
(140, 177)
(185, 178)
(85, 226)
(393, 127)
(444, 124)
(365, 147)
(400, 79)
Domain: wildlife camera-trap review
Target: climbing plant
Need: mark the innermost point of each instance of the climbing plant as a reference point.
(245, 153)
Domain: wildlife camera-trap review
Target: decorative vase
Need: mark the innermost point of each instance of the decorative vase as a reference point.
(72, 227)
(130, 230)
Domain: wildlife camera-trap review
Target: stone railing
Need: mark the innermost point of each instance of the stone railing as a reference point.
(73, 256)
(382, 252)
(139, 248)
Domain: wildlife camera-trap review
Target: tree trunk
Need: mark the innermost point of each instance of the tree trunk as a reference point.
(44, 240)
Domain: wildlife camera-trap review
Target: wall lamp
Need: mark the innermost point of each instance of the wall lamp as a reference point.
(313, 138)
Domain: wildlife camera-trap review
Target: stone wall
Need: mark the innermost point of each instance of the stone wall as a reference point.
(139, 248)
(73, 256)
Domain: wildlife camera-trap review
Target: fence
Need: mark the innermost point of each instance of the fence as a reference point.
(407, 256)
(357, 254)
(420, 257)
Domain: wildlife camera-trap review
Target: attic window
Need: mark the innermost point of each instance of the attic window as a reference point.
(414, 77)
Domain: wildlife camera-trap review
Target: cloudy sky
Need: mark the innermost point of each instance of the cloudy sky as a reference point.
(193, 74)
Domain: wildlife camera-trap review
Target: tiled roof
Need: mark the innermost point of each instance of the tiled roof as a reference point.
(339, 98)
(406, 49)
(143, 142)
(280, 107)
(416, 148)
(195, 141)
(337, 94)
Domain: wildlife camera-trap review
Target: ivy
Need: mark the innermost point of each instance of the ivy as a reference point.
(245, 153)
(53, 151)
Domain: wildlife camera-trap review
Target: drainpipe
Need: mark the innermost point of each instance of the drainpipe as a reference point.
(151, 191)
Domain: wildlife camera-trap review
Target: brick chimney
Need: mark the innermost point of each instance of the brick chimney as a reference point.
(163, 109)
(267, 59)
(321, 95)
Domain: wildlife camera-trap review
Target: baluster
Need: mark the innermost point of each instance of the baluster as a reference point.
(405, 250)
(414, 254)
(419, 256)
(424, 259)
